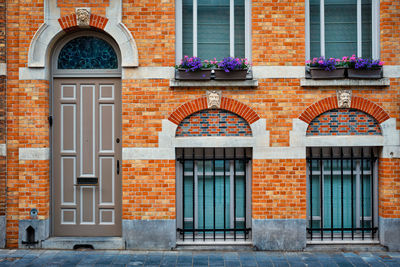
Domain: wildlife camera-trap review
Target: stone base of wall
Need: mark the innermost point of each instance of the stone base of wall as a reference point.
(389, 233)
(2, 231)
(42, 232)
(282, 234)
(149, 234)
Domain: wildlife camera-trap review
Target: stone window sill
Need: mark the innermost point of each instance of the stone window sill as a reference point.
(213, 83)
(344, 82)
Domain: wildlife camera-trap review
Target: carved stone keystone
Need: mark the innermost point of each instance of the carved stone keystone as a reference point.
(344, 98)
(213, 99)
(82, 16)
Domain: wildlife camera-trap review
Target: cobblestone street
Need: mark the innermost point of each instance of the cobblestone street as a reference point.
(187, 258)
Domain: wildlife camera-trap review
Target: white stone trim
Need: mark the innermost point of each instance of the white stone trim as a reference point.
(148, 73)
(34, 153)
(391, 71)
(33, 74)
(167, 142)
(389, 140)
(269, 72)
(3, 150)
(259, 72)
(50, 31)
(3, 69)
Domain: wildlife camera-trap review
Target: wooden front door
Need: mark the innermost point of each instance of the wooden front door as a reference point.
(87, 157)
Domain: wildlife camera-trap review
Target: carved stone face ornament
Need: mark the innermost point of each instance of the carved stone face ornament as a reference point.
(213, 99)
(344, 98)
(82, 16)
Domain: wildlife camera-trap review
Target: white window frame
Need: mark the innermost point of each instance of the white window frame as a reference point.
(179, 31)
(375, 6)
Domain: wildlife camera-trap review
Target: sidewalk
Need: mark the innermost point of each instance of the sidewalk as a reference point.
(187, 258)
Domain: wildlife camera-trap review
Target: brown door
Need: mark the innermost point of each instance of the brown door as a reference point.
(87, 157)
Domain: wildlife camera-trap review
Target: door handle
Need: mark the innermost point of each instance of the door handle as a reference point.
(117, 166)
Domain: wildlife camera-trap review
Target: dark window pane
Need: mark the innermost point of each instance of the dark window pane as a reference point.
(87, 52)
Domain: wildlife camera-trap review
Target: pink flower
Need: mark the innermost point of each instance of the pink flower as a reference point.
(206, 61)
(321, 62)
(344, 58)
(308, 61)
(315, 59)
(381, 63)
(338, 60)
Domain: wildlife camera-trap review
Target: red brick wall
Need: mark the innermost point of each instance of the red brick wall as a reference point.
(152, 24)
(390, 31)
(279, 189)
(389, 188)
(278, 36)
(278, 32)
(148, 190)
(96, 7)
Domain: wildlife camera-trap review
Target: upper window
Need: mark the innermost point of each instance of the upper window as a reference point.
(87, 52)
(212, 28)
(340, 28)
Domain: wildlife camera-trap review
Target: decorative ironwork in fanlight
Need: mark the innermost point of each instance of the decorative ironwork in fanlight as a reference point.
(87, 52)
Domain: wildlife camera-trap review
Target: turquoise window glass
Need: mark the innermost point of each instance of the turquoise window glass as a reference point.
(205, 194)
(332, 191)
(239, 29)
(340, 28)
(315, 28)
(87, 52)
(340, 19)
(366, 15)
(213, 28)
(187, 30)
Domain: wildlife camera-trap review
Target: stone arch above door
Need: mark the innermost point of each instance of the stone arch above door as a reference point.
(55, 27)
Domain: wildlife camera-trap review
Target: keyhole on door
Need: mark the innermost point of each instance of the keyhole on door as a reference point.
(117, 140)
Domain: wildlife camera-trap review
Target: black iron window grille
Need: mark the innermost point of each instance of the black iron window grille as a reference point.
(213, 198)
(342, 193)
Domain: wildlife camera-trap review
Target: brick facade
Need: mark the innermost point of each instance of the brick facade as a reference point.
(278, 185)
(344, 122)
(213, 123)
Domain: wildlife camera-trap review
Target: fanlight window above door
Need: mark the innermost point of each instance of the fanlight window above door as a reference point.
(87, 52)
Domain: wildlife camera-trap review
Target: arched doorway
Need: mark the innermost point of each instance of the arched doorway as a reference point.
(86, 142)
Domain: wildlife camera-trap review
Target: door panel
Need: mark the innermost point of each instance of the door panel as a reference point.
(87, 123)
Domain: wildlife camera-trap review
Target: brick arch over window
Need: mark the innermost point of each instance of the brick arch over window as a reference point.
(69, 23)
(357, 102)
(234, 106)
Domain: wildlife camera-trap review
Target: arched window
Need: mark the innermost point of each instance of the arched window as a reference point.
(87, 52)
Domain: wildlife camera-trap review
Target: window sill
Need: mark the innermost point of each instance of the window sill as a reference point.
(344, 82)
(213, 83)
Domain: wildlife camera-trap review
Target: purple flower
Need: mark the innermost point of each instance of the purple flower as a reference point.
(229, 64)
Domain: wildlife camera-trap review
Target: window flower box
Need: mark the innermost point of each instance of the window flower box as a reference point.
(321, 68)
(320, 74)
(220, 74)
(364, 68)
(364, 73)
(192, 68)
(202, 74)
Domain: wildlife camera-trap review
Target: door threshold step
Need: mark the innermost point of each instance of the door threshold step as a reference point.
(84, 242)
